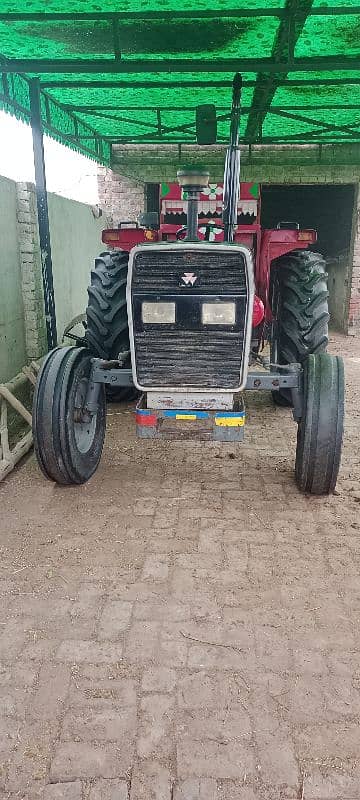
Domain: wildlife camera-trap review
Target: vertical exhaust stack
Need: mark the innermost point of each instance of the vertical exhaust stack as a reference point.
(192, 181)
(232, 164)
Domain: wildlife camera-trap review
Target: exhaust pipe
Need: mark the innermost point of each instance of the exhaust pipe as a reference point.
(232, 165)
(193, 180)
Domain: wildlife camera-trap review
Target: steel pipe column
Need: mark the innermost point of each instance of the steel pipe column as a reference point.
(43, 213)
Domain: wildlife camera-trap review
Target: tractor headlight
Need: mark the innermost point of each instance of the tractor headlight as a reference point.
(158, 313)
(218, 313)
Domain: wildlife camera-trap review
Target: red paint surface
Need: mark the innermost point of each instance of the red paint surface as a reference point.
(146, 420)
(266, 245)
(258, 312)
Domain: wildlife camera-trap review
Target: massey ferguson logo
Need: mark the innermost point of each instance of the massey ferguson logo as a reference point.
(189, 278)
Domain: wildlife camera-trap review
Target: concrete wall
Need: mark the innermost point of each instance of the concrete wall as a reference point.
(12, 329)
(75, 239)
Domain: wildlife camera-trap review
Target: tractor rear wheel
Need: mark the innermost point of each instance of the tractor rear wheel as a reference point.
(299, 299)
(107, 331)
(320, 430)
(68, 443)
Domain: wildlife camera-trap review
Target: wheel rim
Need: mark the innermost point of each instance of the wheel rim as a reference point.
(84, 430)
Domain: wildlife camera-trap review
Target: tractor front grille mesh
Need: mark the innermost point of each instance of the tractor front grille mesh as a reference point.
(189, 358)
(181, 354)
(216, 271)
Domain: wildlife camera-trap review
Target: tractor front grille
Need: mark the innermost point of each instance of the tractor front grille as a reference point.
(188, 358)
(217, 271)
(187, 353)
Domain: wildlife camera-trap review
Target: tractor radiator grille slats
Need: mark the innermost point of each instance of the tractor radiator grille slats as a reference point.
(216, 272)
(189, 358)
(187, 353)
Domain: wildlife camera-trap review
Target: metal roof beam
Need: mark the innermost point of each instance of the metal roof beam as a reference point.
(116, 84)
(49, 16)
(134, 15)
(96, 110)
(164, 129)
(128, 84)
(151, 138)
(288, 34)
(312, 137)
(265, 66)
(132, 121)
(353, 81)
(52, 101)
(111, 84)
(311, 121)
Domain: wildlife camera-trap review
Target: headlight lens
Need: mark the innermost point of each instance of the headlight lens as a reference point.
(218, 313)
(158, 313)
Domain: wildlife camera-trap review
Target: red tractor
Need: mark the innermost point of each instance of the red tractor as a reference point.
(267, 247)
(179, 309)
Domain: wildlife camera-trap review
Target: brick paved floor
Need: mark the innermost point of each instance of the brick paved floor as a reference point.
(186, 625)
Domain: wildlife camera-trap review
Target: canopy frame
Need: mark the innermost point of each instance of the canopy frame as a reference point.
(69, 85)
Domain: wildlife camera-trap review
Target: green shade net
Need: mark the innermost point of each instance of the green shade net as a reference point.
(88, 6)
(88, 110)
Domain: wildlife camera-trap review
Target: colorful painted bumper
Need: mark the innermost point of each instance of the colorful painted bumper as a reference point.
(190, 424)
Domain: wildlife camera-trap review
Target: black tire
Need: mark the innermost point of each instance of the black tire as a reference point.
(68, 450)
(320, 429)
(107, 330)
(299, 299)
(282, 398)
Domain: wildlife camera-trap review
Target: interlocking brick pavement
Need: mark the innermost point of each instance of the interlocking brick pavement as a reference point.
(186, 625)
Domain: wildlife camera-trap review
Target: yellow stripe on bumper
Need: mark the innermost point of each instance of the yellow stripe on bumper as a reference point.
(230, 422)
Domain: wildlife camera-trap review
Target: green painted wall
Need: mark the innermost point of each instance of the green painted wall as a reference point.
(75, 241)
(12, 329)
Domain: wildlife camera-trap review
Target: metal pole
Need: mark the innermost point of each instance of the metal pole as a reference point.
(232, 165)
(192, 215)
(43, 212)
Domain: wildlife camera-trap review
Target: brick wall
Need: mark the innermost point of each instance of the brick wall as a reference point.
(268, 164)
(30, 264)
(120, 197)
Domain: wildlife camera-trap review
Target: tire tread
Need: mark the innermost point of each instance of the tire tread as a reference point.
(304, 316)
(107, 330)
(320, 430)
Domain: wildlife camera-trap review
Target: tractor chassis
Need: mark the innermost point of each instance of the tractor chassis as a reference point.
(69, 414)
(283, 377)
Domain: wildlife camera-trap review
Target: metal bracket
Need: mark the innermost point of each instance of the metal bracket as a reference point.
(272, 380)
(111, 376)
(92, 398)
(297, 392)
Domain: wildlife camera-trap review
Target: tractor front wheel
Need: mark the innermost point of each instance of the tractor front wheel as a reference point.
(320, 430)
(68, 440)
